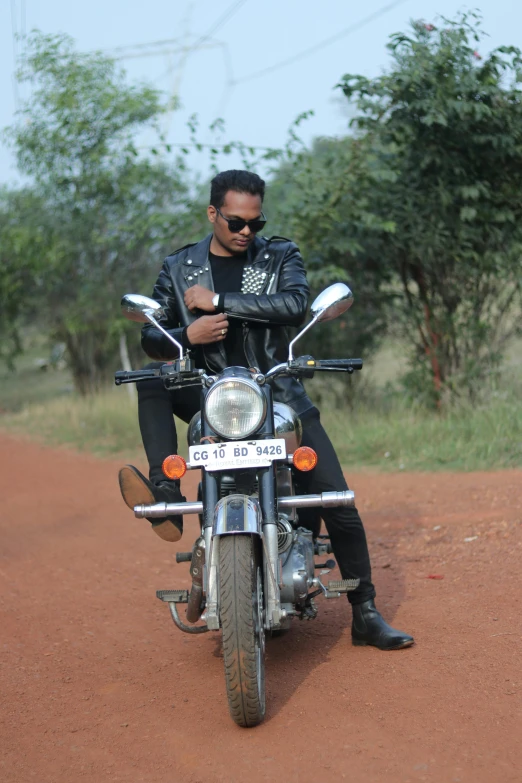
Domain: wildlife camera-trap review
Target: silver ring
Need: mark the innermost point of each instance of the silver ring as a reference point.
(223, 332)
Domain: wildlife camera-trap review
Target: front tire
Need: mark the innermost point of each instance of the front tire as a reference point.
(241, 612)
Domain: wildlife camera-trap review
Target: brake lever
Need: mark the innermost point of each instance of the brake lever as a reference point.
(181, 372)
(297, 368)
(303, 366)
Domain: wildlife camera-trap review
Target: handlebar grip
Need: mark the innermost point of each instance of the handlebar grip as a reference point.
(340, 364)
(131, 376)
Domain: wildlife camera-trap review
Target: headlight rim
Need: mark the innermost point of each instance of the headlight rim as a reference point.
(245, 382)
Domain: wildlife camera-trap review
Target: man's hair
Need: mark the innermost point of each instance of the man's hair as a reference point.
(237, 180)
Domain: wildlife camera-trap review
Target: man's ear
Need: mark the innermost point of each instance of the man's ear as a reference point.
(211, 213)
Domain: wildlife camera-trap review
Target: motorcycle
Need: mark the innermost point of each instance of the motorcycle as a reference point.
(252, 566)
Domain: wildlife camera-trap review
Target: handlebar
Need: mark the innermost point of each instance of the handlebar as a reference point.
(174, 374)
(182, 372)
(306, 366)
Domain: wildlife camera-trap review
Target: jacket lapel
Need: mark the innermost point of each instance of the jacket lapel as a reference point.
(196, 266)
(256, 274)
(197, 271)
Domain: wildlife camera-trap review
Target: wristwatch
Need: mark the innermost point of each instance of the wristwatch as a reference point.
(215, 300)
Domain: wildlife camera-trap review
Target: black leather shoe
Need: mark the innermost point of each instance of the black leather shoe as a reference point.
(368, 627)
(137, 489)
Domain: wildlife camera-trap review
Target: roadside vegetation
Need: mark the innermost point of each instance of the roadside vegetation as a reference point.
(417, 207)
(396, 437)
(381, 429)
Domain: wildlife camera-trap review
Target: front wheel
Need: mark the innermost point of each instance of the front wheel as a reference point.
(241, 612)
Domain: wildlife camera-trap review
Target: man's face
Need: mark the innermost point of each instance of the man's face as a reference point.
(235, 205)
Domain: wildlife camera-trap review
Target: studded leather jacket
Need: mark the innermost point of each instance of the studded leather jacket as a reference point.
(273, 297)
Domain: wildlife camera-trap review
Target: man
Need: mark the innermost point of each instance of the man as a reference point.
(229, 299)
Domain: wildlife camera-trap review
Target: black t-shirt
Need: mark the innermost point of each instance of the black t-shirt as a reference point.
(227, 273)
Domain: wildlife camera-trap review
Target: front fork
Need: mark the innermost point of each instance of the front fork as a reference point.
(210, 584)
(268, 501)
(254, 518)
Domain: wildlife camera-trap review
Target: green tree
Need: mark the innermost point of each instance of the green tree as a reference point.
(447, 125)
(24, 243)
(323, 199)
(110, 213)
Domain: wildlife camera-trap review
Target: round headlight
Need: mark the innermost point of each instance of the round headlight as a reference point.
(235, 408)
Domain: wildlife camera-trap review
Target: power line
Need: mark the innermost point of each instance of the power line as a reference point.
(163, 42)
(231, 10)
(144, 49)
(134, 50)
(321, 44)
(161, 52)
(185, 51)
(229, 13)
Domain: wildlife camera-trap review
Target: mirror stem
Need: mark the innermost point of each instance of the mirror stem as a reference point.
(298, 337)
(148, 315)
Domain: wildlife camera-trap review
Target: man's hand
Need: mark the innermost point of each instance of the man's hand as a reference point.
(208, 328)
(199, 298)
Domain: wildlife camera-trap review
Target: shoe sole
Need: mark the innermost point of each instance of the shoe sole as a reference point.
(359, 643)
(167, 531)
(135, 492)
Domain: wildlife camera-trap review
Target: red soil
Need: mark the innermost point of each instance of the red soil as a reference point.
(99, 685)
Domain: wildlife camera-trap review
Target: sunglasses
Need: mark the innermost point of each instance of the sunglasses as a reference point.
(235, 225)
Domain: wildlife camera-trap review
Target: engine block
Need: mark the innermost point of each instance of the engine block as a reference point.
(297, 569)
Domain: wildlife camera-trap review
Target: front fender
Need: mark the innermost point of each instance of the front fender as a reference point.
(233, 514)
(237, 514)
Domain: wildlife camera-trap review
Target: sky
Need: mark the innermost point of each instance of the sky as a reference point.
(236, 67)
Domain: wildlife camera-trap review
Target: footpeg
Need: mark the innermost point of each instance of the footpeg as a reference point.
(173, 596)
(343, 585)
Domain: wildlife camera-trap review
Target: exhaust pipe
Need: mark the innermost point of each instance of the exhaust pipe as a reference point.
(324, 500)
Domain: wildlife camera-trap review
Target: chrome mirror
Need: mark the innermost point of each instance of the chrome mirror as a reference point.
(140, 308)
(137, 308)
(331, 302)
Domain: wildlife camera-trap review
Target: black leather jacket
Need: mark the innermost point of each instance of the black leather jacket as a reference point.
(274, 295)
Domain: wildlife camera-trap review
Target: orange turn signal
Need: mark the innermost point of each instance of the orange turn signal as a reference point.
(174, 466)
(304, 458)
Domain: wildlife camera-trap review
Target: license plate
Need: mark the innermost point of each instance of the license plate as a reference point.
(237, 454)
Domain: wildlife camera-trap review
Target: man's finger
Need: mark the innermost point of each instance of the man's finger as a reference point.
(220, 321)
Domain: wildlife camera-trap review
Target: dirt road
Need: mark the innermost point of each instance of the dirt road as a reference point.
(98, 685)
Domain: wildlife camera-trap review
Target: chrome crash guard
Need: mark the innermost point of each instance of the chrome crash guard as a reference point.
(235, 514)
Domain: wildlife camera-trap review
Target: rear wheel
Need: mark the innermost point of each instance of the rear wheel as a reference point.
(241, 612)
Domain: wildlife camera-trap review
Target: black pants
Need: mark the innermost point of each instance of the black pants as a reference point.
(155, 408)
